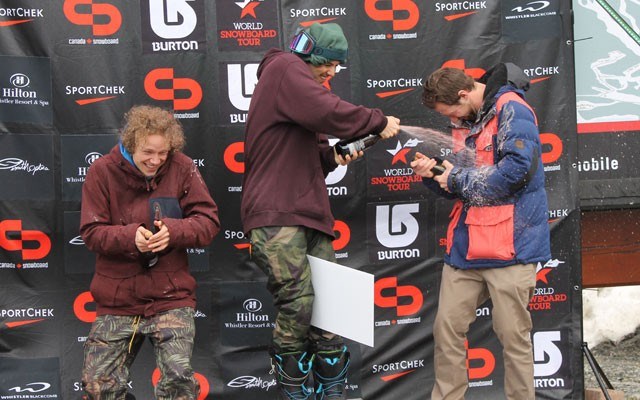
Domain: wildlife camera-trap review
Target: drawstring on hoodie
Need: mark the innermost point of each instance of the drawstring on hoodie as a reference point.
(136, 324)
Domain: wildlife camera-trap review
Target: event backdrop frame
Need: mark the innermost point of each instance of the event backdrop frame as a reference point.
(69, 69)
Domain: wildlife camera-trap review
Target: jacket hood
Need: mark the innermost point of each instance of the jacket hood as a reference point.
(267, 59)
(501, 75)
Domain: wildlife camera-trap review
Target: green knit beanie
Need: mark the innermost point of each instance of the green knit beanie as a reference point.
(328, 36)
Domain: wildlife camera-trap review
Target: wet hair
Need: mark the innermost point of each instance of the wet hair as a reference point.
(143, 121)
(443, 85)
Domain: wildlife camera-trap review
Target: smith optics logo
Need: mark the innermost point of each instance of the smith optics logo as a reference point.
(16, 164)
(104, 18)
(403, 14)
(33, 245)
(161, 84)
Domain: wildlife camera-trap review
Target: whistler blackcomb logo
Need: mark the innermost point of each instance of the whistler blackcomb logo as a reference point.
(18, 165)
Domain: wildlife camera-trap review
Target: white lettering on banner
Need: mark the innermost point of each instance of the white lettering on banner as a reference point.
(563, 213)
(542, 71)
(255, 26)
(22, 12)
(26, 313)
(398, 254)
(544, 348)
(100, 89)
(318, 12)
(396, 226)
(172, 19)
(461, 6)
(393, 83)
(602, 164)
(549, 383)
(18, 93)
(398, 366)
(175, 46)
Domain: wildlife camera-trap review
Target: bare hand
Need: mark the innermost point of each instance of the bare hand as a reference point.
(348, 158)
(392, 128)
(159, 240)
(443, 179)
(422, 165)
(142, 239)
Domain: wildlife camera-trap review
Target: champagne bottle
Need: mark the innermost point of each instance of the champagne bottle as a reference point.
(354, 145)
(438, 169)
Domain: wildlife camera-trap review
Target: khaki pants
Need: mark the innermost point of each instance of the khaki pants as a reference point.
(461, 293)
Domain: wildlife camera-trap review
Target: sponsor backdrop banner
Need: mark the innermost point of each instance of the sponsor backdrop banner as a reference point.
(70, 69)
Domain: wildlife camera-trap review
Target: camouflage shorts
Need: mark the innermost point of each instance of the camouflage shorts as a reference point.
(114, 342)
(281, 252)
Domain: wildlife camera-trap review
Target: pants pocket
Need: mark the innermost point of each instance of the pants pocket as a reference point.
(490, 232)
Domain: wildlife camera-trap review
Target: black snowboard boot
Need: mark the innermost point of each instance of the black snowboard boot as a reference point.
(292, 372)
(330, 374)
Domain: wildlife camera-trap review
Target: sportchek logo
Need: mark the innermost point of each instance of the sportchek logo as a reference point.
(31, 244)
(392, 87)
(104, 19)
(541, 73)
(453, 10)
(24, 316)
(85, 95)
(400, 15)
(19, 15)
(183, 93)
(394, 370)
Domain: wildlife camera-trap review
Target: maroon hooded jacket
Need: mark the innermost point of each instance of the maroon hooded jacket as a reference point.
(286, 156)
(116, 200)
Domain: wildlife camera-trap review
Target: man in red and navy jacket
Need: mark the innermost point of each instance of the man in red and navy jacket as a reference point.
(498, 228)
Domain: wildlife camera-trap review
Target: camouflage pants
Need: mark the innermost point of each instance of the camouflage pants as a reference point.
(281, 252)
(114, 342)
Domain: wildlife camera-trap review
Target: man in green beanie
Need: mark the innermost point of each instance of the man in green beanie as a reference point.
(285, 207)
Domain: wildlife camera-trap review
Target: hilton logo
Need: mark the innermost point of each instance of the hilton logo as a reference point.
(252, 306)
